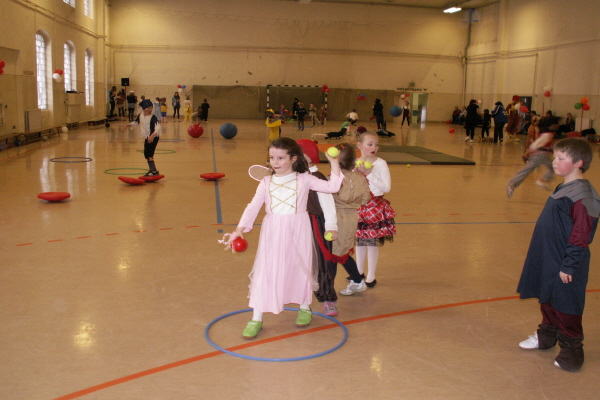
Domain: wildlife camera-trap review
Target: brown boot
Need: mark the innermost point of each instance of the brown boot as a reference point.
(547, 336)
(570, 357)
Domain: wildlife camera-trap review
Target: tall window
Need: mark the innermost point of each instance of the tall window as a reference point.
(89, 77)
(87, 8)
(42, 83)
(70, 2)
(70, 75)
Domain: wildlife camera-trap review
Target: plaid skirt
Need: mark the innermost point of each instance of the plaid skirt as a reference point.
(375, 222)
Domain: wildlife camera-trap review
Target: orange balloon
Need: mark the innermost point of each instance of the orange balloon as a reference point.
(584, 100)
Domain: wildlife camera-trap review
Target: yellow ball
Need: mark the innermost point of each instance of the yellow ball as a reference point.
(328, 236)
(333, 152)
(368, 165)
(407, 165)
(359, 163)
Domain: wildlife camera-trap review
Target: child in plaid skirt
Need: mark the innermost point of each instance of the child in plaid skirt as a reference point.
(376, 218)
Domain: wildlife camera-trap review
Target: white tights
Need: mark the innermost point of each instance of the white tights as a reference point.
(258, 315)
(371, 253)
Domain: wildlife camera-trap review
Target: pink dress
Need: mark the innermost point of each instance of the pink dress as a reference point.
(283, 267)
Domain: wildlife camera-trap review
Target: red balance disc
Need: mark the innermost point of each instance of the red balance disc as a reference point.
(54, 196)
(212, 176)
(151, 178)
(131, 181)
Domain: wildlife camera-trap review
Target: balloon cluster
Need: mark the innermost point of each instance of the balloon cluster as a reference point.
(516, 99)
(583, 103)
(180, 88)
(325, 89)
(405, 96)
(2, 64)
(361, 96)
(524, 109)
(58, 75)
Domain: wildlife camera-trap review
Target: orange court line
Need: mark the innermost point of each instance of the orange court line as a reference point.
(201, 357)
(25, 244)
(110, 234)
(164, 229)
(55, 240)
(193, 226)
(139, 231)
(84, 237)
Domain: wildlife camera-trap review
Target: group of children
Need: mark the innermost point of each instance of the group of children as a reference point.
(293, 260)
(311, 224)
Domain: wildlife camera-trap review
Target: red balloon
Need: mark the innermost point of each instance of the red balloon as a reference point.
(239, 245)
(547, 93)
(359, 98)
(325, 86)
(1, 71)
(449, 121)
(2, 64)
(179, 86)
(524, 109)
(516, 98)
(586, 107)
(327, 90)
(451, 130)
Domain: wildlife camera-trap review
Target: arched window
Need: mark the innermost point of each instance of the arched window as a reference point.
(89, 77)
(70, 70)
(41, 58)
(88, 6)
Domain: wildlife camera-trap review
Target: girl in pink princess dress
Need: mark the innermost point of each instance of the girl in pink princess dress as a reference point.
(283, 267)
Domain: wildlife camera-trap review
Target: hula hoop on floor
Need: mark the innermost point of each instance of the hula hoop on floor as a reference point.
(66, 159)
(172, 140)
(160, 151)
(124, 169)
(207, 337)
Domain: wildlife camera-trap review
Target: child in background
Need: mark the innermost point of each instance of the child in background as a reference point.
(163, 110)
(283, 268)
(376, 218)
(150, 132)
(538, 153)
(312, 113)
(558, 261)
(322, 115)
(487, 123)
(532, 132)
(351, 117)
(352, 195)
(406, 113)
(203, 111)
(321, 209)
(273, 122)
(157, 109)
(187, 109)
(301, 115)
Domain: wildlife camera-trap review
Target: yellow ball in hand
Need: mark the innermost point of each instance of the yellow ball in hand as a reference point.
(328, 236)
(368, 165)
(359, 163)
(333, 152)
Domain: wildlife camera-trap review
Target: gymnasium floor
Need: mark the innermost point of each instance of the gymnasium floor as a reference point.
(107, 295)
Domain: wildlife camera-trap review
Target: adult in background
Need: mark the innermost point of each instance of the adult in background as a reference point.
(471, 120)
(378, 114)
(131, 103)
(500, 120)
(176, 103)
(112, 97)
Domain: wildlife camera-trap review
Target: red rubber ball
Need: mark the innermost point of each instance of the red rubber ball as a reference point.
(239, 245)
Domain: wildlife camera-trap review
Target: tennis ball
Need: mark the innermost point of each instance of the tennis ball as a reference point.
(368, 165)
(328, 236)
(407, 165)
(333, 152)
(359, 163)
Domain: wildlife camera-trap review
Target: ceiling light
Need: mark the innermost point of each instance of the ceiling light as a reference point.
(452, 10)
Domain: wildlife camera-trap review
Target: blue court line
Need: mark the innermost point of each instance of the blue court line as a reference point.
(217, 195)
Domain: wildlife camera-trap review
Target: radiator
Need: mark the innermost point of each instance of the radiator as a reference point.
(33, 120)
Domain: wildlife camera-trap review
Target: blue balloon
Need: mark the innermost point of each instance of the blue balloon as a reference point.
(228, 130)
(395, 111)
(183, 86)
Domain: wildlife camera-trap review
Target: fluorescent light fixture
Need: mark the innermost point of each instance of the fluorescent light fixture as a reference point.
(452, 10)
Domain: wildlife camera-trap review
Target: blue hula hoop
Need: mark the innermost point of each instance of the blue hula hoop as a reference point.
(216, 346)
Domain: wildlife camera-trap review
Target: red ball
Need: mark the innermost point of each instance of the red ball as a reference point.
(239, 245)
(195, 131)
(547, 93)
(451, 130)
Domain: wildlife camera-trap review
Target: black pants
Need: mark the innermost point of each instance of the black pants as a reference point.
(380, 122)
(499, 131)
(149, 148)
(112, 108)
(176, 111)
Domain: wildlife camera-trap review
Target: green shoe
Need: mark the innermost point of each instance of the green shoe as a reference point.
(304, 317)
(252, 329)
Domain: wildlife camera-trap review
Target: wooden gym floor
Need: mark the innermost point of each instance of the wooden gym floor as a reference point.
(107, 295)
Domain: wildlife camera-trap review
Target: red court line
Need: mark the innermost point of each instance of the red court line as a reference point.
(84, 237)
(255, 343)
(110, 234)
(139, 231)
(55, 240)
(193, 226)
(25, 244)
(164, 229)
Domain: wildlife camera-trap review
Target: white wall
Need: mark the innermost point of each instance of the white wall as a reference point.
(19, 22)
